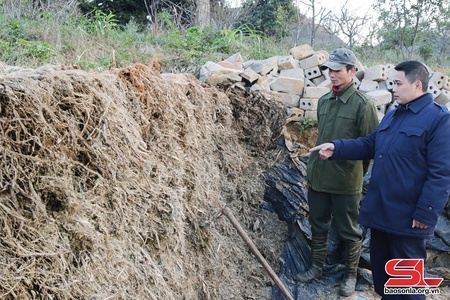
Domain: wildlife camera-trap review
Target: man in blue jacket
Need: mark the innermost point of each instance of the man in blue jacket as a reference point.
(410, 180)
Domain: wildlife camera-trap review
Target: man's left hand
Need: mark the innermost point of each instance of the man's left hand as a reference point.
(417, 224)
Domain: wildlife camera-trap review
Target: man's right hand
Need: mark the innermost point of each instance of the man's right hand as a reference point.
(326, 150)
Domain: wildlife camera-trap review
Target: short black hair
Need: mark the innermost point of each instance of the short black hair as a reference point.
(349, 67)
(415, 70)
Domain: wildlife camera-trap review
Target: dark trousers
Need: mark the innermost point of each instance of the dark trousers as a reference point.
(384, 247)
(343, 209)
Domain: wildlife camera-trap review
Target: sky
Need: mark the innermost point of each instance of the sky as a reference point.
(362, 5)
(359, 6)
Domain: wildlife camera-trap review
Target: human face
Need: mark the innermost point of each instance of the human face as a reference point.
(341, 78)
(404, 91)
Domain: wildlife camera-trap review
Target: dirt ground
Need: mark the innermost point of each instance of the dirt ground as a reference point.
(112, 186)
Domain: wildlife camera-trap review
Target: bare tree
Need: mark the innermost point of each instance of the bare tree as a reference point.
(442, 32)
(347, 23)
(182, 14)
(317, 19)
(223, 16)
(203, 12)
(404, 23)
(62, 9)
(301, 21)
(168, 14)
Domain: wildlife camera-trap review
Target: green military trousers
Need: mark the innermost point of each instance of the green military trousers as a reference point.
(341, 209)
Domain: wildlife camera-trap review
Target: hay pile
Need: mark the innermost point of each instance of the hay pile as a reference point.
(111, 186)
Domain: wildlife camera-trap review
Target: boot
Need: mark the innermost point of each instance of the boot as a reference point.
(319, 255)
(352, 254)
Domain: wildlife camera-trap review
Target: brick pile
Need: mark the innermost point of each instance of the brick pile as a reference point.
(298, 82)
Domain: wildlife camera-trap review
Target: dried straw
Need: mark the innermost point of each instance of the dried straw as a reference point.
(111, 184)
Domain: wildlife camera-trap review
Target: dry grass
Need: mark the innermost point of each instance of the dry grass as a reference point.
(111, 186)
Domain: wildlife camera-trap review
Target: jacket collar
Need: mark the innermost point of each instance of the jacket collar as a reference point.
(343, 94)
(417, 104)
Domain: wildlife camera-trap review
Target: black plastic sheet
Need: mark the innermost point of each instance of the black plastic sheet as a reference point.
(286, 195)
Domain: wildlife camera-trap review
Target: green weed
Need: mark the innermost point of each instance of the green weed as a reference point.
(307, 123)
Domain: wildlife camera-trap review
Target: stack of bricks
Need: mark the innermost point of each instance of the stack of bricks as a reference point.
(439, 87)
(298, 82)
(376, 82)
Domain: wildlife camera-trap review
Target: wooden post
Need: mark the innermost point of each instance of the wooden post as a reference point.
(227, 211)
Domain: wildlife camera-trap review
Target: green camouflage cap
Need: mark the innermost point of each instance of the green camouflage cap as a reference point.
(339, 58)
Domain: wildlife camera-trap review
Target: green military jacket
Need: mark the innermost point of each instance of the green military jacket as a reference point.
(349, 115)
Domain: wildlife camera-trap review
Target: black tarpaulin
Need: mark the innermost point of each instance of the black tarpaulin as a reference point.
(286, 195)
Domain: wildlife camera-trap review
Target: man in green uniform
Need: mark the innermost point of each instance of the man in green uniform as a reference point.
(335, 186)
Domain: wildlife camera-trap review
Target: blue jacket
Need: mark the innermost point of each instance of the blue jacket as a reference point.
(410, 176)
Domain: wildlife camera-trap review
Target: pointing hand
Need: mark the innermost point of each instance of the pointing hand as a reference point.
(326, 150)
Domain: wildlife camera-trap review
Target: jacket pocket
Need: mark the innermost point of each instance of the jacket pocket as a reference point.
(410, 141)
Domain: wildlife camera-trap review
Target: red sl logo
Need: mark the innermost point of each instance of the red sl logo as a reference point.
(409, 272)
